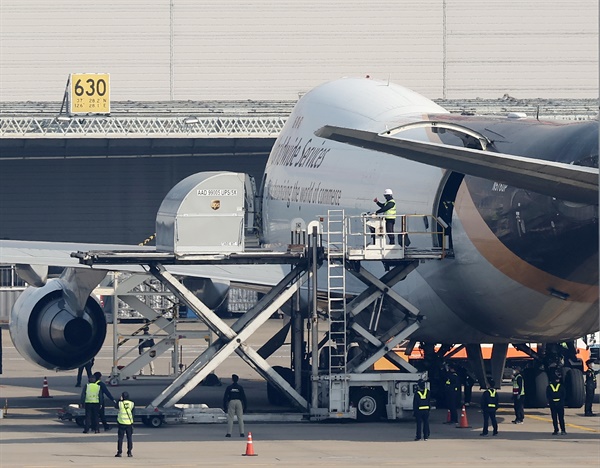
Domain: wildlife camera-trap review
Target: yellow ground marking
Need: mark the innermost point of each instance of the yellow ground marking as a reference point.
(541, 418)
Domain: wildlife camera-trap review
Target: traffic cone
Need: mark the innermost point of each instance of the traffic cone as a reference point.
(249, 447)
(463, 423)
(45, 391)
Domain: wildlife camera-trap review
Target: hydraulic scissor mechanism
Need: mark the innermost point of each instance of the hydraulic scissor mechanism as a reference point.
(231, 339)
(377, 289)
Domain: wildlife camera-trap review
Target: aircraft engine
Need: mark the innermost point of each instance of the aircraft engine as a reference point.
(47, 331)
(214, 294)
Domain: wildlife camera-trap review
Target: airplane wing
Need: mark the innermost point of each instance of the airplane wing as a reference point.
(564, 181)
(59, 254)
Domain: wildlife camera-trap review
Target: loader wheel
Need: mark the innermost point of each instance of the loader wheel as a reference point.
(369, 404)
(152, 421)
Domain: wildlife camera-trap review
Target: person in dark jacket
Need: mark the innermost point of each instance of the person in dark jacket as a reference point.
(518, 396)
(590, 388)
(467, 381)
(234, 402)
(452, 394)
(555, 393)
(88, 370)
(421, 407)
(103, 391)
(489, 405)
(146, 342)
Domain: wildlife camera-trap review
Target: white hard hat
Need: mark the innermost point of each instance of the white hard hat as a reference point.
(387, 191)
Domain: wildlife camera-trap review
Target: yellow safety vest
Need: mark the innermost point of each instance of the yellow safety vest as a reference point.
(125, 415)
(92, 393)
(515, 383)
(391, 213)
(555, 390)
(423, 396)
(492, 394)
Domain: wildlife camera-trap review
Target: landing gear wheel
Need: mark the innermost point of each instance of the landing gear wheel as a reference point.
(535, 381)
(369, 404)
(575, 388)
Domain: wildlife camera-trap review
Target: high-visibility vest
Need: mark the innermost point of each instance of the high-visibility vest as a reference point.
(515, 384)
(391, 213)
(555, 391)
(492, 394)
(125, 415)
(92, 393)
(422, 396)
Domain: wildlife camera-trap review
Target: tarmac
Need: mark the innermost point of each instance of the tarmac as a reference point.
(31, 435)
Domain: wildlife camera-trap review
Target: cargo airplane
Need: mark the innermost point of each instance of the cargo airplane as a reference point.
(518, 197)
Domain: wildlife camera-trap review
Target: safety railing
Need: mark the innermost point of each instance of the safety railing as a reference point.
(417, 231)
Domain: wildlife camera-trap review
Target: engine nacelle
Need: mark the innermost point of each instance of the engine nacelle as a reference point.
(46, 331)
(214, 294)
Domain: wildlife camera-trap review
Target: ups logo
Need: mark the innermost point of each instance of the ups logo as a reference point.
(215, 204)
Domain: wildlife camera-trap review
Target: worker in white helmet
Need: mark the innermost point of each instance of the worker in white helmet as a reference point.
(388, 210)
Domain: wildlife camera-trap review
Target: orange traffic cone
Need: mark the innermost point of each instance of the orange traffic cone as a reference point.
(249, 447)
(463, 423)
(45, 391)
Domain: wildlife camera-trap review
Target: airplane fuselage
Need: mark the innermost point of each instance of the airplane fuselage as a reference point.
(525, 266)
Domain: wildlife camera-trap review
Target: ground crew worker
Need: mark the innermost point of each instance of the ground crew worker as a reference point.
(518, 396)
(555, 393)
(90, 399)
(452, 392)
(421, 407)
(590, 388)
(125, 423)
(388, 210)
(489, 405)
(146, 342)
(103, 391)
(88, 370)
(234, 402)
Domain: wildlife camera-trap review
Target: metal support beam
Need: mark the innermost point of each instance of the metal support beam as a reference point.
(475, 357)
(388, 346)
(498, 361)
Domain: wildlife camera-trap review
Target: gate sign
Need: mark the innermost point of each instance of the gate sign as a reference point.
(90, 93)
